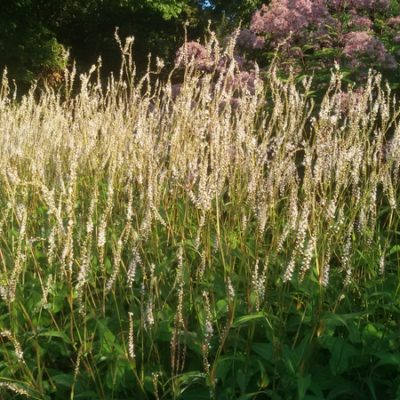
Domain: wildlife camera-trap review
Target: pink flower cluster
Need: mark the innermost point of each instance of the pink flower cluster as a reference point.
(349, 100)
(359, 21)
(283, 17)
(394, 21)
(248, 39)
(243, 80)
(364, 44)
(196, 53)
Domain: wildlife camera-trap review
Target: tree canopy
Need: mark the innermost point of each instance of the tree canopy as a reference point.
(34, 34)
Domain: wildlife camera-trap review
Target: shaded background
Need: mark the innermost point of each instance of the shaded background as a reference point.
(34, 33)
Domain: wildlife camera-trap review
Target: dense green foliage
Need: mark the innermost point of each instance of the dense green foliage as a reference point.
(34, 33)
(27, 46)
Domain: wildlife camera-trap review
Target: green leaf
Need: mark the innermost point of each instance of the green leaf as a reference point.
(246, 319)
(394, 249)
(349, 321)
(264, 350)
(327, 51)
(242, 379)
(221, 307)
(303, 383)
(190, 377)
(58, 334)
(226, 364)
(370, 333)
(388, 359)
(323, 379)
(264, 381)
(344, 390)
(107, 338)
(87, 395)
(341, 353)
(290, 359)
(63, 379)
(195, 393)
(248, 396)
(108, 265)
(115, 374)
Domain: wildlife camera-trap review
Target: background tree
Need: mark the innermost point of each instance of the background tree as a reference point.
(231, 11)
(27, 46)
(34, 33)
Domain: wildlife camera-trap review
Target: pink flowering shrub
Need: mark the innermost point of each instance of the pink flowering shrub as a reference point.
(311, 35)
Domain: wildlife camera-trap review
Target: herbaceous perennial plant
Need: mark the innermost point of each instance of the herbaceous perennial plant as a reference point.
(311, 35)
(224, 241)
